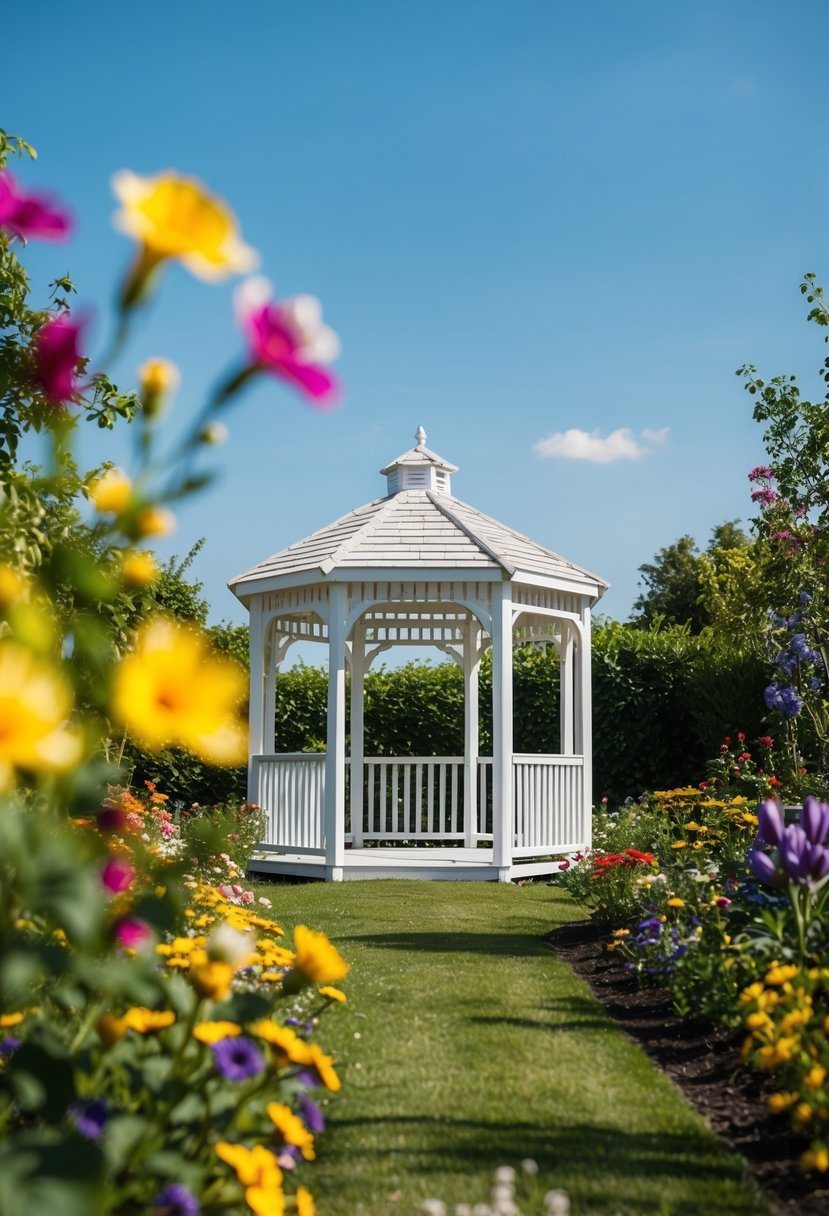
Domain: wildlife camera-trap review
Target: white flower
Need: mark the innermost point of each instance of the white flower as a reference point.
(557, 1203)
(529, 1166)
(505, 1173)
(228, 945)
(433, 1207)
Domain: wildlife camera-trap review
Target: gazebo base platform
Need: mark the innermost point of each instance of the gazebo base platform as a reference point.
(455, 864)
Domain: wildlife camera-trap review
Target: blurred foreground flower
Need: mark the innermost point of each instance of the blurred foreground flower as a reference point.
(56, 358)
(288, 338)
(34, 705)
(175, 217)
(173, 690)
(30, 215)
(158, 379)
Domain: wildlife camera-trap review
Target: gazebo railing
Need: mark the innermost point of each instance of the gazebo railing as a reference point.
(420, 798)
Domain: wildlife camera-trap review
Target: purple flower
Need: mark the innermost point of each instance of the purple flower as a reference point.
(30, 215)
(176, 1200)
(814, 819)
(784, 699)
(764, 868)
(762, 470)
(56, 358)
(311, 1114)
(9, 1046)
(238, 1059)
(89, 1118)
(770, 821)
(803, 861)
(766, 496)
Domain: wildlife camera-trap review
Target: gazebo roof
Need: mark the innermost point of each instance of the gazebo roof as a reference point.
(414, 530)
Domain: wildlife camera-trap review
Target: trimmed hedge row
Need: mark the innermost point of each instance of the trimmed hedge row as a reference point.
(662, 702)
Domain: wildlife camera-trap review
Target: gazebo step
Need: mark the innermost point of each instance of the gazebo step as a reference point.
(465, 865)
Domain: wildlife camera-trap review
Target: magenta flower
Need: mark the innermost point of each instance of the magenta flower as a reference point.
(117, 875)
(132, 933)
(765, 496)
(56, 358)
(288, 338)
(761, 470)
(30, 215)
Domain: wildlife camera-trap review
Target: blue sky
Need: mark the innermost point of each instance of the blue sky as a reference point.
(524, 219)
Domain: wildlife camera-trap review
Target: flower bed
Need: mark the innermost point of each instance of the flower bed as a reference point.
(718, 901)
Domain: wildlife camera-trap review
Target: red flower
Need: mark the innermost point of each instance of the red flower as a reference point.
(766, 741)
(740, 736)
(775, 781)
(564, 865)
(703, 785)
(56, 358)
(745, 756)
(728, 739)
(30, 214)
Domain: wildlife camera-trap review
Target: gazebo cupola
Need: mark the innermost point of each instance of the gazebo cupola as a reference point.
(419, 567)
(419, 469)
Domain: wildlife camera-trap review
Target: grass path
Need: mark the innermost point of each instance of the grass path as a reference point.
(466, 1045)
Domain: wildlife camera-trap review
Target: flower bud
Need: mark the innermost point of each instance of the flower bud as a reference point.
(111, 492)
(214, 434)
(158, 379)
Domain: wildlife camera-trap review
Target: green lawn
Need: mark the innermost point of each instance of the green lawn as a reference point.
(466, 1045)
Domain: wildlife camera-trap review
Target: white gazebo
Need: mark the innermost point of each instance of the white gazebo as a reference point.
(419, 567)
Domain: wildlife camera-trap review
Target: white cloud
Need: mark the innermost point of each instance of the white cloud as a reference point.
(620, 444)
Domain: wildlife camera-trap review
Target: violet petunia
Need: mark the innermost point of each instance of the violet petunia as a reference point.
(176, 1200)
(238, 1059)
(311, 1114)
(764, 868)
(56, 358)
(30, 215)
(90, 1118)
(288, 338)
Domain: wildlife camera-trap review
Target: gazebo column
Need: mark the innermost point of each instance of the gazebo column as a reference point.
(471, 674)
(334, 806)
(567, 744)
(358, 676)
(502, 760)
(256, 708)
(584, 721)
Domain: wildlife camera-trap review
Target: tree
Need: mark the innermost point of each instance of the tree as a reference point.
(674, 587)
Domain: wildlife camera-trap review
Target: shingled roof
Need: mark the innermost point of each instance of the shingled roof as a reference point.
(412, 530)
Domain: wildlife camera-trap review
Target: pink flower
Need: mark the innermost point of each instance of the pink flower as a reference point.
(56, 358)
(288, 338)
(237, 890)
(117, 875)
(30, 215)
(247, 897)
(168, 830)
(226, 890)
(134, 821)
(132, 933)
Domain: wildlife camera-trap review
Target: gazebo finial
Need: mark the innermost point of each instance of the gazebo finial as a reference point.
(420, 436)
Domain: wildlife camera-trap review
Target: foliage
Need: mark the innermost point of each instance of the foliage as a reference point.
(145, 1063)
(674, 591)
(792, 494)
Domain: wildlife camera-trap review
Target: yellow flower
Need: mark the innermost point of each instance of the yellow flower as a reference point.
(154, 521)
(9, 1020)
(175, 217)
(173, 690)
(815, 1077)
(676, 902)
(781, 973)
(680, 844)
(304, 1202)
(34, 705)
(777, 1103)
(291, 1049)
(324, 1065)
(111, 492)
(621, 932)
(291, 1129)
(138, 569)
(146, 1021)
(758, 1021)
(333, 994)
(157, 376)
(259, 1174)
(214, 1032)
(210, 979)
(802, 1113)
(316, 958)
(815, 1159)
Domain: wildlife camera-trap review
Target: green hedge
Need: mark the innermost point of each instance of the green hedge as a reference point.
(662, 702)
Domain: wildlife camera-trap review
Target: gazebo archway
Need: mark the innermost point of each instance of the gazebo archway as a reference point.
(418, 567)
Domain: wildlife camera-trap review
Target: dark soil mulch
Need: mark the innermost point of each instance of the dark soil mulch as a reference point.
(704, 1061)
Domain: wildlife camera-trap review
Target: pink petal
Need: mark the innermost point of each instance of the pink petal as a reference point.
(56, 358)
(316, 382)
